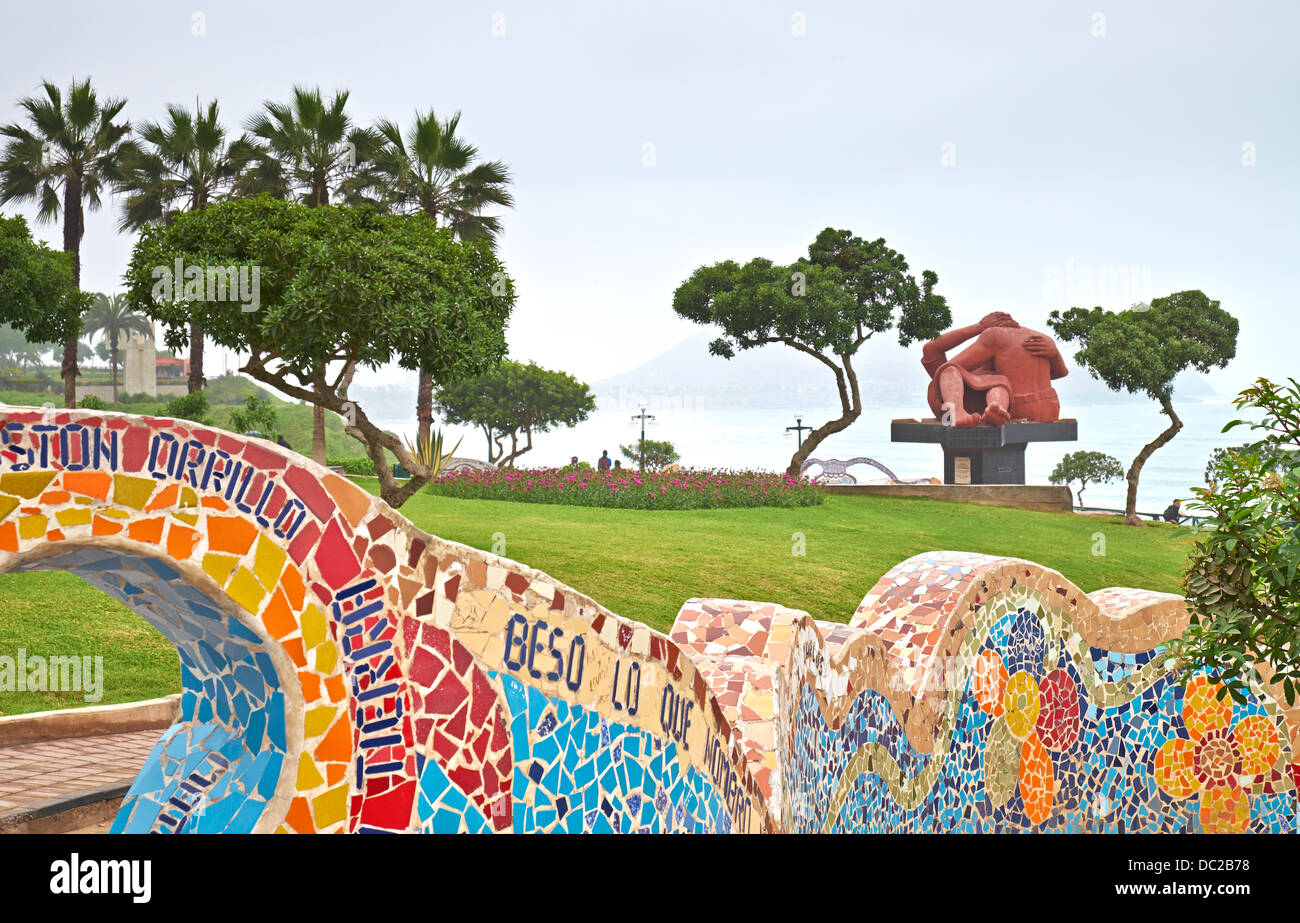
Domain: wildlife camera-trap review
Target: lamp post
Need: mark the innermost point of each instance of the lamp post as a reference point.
(643, 417)
(798, 428)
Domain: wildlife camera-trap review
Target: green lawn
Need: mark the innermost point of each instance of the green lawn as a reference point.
(642, 565)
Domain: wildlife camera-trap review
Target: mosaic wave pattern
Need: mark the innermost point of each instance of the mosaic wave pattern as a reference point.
(989, 694)
(346, 672)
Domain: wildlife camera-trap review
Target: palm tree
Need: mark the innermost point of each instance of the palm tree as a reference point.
(183, 162)
(113, 318)
(304, 148)
(71, 150)
(429, 170)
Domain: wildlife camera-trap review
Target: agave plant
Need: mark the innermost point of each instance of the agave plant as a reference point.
(429, 451)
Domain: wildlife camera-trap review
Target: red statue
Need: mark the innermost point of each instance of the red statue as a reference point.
(1005, 375)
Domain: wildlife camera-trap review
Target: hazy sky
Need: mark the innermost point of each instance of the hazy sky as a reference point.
(1021, 150)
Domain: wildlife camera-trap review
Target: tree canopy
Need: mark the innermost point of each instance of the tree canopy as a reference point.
(336, 288)
(651, 454)
(825, 306)
(1087, 468)
(1143, 349)
(37, 295)
(513, 400)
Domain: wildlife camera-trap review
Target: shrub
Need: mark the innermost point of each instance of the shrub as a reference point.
(360, 467)
(192, 407)
(1243, 575)
(91, 402)
(658, 453)
(626, 489)
(257, 415)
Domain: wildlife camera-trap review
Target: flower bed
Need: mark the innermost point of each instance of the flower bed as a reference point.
(687, 489)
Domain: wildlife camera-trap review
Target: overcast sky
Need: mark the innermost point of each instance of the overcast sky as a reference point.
(1020, 150)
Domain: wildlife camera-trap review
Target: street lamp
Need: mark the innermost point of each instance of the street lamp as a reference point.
(644, 418)
(798, 428)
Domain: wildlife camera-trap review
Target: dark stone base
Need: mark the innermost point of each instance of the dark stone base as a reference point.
(991, 454)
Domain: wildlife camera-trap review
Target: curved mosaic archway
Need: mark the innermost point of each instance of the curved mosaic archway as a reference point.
(345, 672)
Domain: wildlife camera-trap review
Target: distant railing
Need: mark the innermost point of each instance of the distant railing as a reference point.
(835, 471)
(1156, 517)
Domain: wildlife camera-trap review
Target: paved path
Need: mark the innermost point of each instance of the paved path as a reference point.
(35, 772)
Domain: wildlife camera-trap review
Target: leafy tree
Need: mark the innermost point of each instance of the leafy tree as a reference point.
(429, 170)
(1243, 574)
(193, 407)
(651, 454)
(340, 288)
(182, 162)
(105, 356)
(115, 320)
(257, 415)
(1143, 350)
(72, 149)
(37, 296)
(514, 400)
(826, 306)
(1087, 468)
(16, 351)
(303, 149)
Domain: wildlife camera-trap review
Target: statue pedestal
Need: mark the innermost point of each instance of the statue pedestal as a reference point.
(983, 454)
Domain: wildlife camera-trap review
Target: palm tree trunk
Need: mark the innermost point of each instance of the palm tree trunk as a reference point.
(318, 434)
(72, 230)
(424, 407)
(112, 357)
(196, 381)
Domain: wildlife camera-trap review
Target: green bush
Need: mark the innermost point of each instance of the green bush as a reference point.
(360, 467)
(257, 415)
(1243, 575)
(192, 407)
(90, 402)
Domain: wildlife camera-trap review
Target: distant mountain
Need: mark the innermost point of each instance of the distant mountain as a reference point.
(778, 376)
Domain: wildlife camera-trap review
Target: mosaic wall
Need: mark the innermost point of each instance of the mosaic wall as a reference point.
(345, 672)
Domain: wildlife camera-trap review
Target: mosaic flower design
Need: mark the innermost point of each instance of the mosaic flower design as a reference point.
(1033, 716)
(1217, 759)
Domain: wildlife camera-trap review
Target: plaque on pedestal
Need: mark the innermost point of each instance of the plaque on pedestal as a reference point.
(983, 454)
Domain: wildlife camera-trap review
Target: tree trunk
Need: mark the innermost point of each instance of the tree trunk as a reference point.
(72, 231)
(852, 410)
(424, 408)
(1135, 470)
(318, 434)
(196, 381)
(515, 450)
(112, 358)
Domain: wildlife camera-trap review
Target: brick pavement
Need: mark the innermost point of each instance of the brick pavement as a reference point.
(37, 771)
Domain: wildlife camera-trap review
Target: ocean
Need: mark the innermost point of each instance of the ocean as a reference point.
(754, 437)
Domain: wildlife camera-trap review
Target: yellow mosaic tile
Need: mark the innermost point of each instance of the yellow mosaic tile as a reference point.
(268, 561)
(73, 517)
(132, 491)
(219, 566)
(245, 590)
